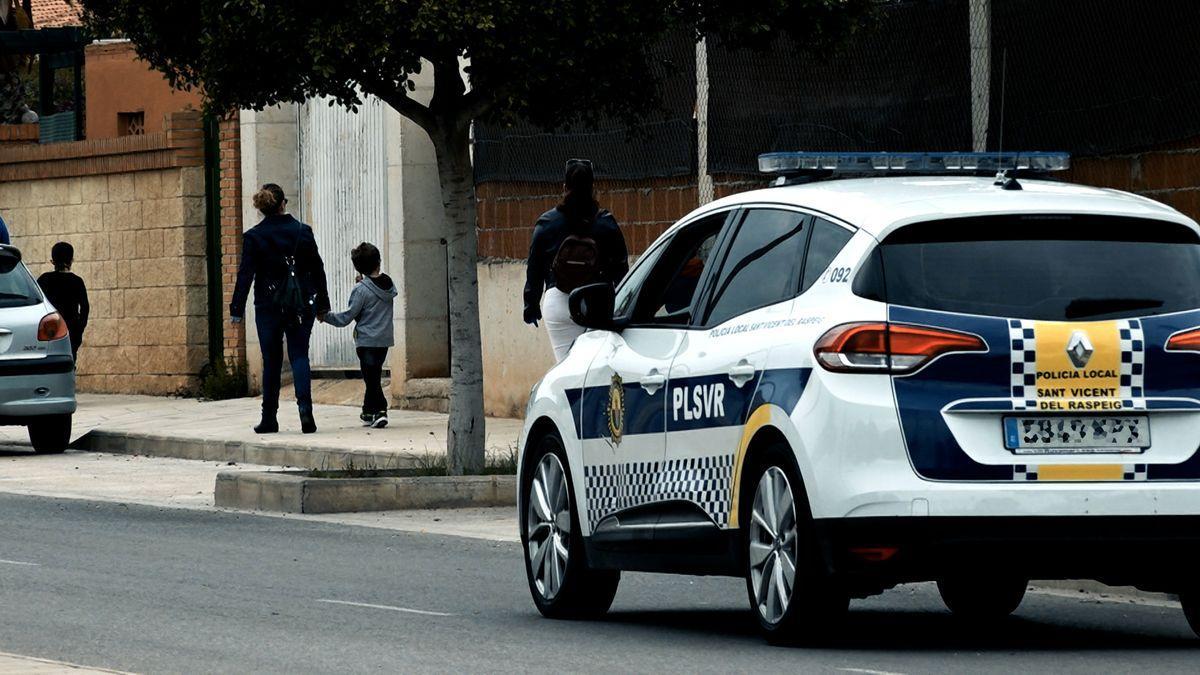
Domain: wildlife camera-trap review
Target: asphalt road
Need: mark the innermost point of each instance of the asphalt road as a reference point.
(158, 590)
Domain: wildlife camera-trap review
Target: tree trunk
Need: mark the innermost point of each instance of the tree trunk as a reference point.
(465, 437)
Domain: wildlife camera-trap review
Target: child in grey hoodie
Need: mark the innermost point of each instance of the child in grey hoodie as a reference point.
(371, 311)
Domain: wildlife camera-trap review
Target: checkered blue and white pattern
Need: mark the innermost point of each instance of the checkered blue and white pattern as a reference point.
(1133, 364)
(1023, 382)
(604, 486)
(705, 481)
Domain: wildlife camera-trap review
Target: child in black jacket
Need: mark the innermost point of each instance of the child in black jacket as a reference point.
(67, 293)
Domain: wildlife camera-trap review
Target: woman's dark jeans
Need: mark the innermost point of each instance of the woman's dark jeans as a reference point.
(273, 329)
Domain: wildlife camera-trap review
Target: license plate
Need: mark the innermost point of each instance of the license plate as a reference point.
(1129, 434)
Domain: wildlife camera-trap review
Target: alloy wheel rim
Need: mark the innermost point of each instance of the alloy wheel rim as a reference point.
(773, 545)
(548, 526)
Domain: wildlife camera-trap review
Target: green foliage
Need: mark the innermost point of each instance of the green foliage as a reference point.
(220, 381)
(552, 62)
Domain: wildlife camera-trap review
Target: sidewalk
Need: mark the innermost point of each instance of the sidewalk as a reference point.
(26, 665)
(222, 431)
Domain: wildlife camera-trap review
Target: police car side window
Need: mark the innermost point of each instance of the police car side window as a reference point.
(827, 240)
(636, 278)
(672, 285)
(763, 264)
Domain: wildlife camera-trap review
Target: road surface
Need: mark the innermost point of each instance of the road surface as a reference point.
(146, 589)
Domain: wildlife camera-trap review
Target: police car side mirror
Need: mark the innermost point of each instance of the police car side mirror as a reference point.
(592, 306)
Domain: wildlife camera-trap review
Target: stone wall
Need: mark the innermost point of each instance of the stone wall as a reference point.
(134, 210)
(231, 233)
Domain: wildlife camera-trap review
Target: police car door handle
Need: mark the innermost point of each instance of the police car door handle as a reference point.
(653, 381)
(742, 373)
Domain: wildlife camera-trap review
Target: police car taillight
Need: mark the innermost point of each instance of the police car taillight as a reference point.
(878, 347)
(1186, 341)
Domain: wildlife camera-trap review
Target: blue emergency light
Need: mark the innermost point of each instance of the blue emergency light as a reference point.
(865, 163)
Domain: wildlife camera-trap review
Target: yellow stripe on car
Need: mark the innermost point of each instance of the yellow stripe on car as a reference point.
(758, 419)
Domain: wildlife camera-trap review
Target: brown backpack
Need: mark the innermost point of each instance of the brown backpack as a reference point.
(577, 263)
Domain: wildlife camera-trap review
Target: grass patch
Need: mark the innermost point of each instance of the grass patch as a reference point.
(220, 381)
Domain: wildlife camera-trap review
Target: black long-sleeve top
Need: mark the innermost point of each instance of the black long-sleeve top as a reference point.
(264, 250)
(68, 294)
(548, 234)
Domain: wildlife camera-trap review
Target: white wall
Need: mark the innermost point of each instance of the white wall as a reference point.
(269, 155)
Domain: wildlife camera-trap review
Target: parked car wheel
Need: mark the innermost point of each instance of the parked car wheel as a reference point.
(982, 598)
(51, 435)
(788, 587)
(562, 584)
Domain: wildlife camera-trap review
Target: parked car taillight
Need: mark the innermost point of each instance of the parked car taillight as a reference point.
(1185, 341)
(879, 347)
(52, 327)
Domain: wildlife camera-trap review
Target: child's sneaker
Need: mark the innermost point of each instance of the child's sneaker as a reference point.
(367, 418)
(379, 420)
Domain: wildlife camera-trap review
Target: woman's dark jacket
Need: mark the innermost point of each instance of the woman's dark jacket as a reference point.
(264, 249)
(548, 235)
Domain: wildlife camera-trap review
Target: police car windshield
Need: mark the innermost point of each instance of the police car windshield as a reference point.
(1049, 268)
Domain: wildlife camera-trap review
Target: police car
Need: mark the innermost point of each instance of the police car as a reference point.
(831, 387)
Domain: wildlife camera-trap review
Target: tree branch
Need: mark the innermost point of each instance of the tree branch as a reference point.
(476, 104)
(397, 97)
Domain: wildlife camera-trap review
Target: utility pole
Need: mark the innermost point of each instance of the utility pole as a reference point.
(981, 71)
(704, 180)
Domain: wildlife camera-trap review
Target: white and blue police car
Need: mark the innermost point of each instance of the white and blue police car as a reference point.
(831, 387)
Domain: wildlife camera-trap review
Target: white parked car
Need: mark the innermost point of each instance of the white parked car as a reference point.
(37, 371)
(834, 387)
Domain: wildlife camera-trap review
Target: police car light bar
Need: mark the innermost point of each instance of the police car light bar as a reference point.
(783, 163)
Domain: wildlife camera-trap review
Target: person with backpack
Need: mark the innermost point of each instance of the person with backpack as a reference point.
(280, 257)
(574, 244)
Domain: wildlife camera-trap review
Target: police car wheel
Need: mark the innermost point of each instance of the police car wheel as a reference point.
(982, 598)
(792, 596)
(562, 585)
(1191, 608)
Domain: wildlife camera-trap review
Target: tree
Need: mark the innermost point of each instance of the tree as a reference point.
(551, 62)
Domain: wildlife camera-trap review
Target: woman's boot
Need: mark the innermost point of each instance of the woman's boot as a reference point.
(308, 425)
(268, 425)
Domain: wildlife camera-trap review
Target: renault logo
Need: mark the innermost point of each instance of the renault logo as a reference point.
(1079, 348)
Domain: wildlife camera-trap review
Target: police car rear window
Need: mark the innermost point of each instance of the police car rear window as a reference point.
(1049, 268)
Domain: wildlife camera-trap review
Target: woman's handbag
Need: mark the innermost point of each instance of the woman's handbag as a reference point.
(289, 296)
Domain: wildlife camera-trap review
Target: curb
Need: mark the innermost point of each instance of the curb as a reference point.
(1086, 587)
(297, 493)
(306, 457)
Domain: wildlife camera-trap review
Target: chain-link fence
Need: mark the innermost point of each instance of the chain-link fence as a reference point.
(1091, 77)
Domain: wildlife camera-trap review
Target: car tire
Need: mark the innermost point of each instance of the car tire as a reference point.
(779, 536)
(1191, 608)
(50, 436)
(982, 598)
(562, 584)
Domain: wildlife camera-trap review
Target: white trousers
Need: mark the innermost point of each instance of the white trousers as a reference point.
(557, 316)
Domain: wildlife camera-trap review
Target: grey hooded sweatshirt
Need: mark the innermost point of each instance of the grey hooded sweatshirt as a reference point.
(371, 310)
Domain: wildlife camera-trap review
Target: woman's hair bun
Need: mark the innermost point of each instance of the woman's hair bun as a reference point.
(269, 199)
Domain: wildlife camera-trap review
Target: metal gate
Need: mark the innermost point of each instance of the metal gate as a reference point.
(343, 196)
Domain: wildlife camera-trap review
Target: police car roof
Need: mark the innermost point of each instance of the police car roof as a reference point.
(880, 205)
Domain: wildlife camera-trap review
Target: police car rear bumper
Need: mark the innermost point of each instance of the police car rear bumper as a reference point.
(1155, 553)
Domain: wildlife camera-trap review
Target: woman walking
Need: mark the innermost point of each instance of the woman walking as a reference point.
(574, 244)
(279, 255)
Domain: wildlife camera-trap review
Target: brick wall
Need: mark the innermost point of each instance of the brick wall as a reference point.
(19, 133)
(134, 210)
(1169, 174)
(507, 211)
(231, 232)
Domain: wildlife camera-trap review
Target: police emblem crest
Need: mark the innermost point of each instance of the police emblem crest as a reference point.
(616, 408)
